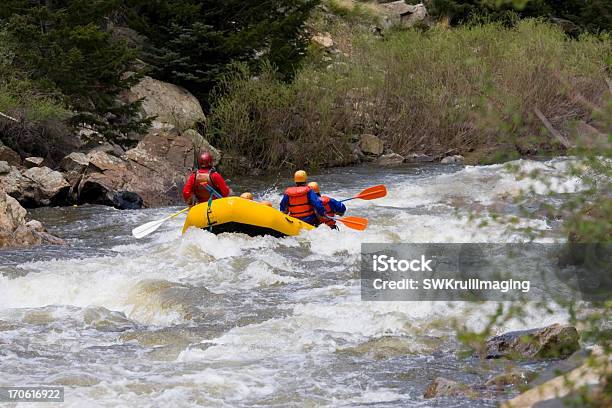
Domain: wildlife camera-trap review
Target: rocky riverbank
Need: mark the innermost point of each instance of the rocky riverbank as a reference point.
(150, 174)
(575, 373)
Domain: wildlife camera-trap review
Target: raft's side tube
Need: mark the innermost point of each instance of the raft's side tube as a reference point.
(242, 211)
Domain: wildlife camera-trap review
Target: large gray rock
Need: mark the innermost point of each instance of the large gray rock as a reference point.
(35, 187)
(391, 159)
(151, 174)
(556, 341)
(15, 231)
(172, 105)
(370, 144)
(443, 387)
(51, 184)
(33, 161)
(75, 161)
(400, 13)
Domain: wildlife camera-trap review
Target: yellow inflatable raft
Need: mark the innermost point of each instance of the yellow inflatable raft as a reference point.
(235, 214)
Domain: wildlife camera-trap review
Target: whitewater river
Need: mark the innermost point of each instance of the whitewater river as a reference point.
(229, 320)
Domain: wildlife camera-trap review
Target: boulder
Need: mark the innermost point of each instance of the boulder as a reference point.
(75, 161)
(14, 231)
(5, 168)
(455, 159)
(370, 144)
(35, 187)
(110, 148)
(103, 161)
(400, 13)
(510, 378)
(324, 40)
(127, 200)
(556, 341)
(172, 105)
(9, 155)
(418, 158)
(202, 144)
(51, 184)
(443, 387)
(30, 162)
(391, 159)
(151, 174)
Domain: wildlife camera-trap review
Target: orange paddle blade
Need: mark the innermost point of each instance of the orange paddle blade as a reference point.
(373, 192)
(356, 223)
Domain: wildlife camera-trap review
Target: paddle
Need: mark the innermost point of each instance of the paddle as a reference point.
(149, 227)
(356, 223)
(370, 193)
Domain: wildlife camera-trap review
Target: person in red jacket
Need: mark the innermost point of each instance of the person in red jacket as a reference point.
(196, 191)
(332, 206)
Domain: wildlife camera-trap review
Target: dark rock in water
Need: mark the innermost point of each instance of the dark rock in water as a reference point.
(556, 341)
(513, 377)
(443, 387)
(127, 200)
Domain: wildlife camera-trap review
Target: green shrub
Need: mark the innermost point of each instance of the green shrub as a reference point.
(472, 90)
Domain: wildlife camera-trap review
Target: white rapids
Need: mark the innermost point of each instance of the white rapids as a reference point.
(230, 320)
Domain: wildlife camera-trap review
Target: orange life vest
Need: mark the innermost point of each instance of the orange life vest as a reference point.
(299, 207)
(328, 211)
(202, 179)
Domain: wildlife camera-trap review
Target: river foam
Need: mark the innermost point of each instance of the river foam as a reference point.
(235, 320)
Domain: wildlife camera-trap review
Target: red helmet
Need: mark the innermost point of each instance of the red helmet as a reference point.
(205, 160)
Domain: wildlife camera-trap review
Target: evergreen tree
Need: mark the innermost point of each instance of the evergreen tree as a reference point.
(193, 42)
(64, 45)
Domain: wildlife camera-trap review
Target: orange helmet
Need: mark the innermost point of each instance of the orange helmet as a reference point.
(300, 176)
(314, 186)
(247, 195)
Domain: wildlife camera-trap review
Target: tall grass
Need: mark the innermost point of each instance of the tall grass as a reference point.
(471, 90)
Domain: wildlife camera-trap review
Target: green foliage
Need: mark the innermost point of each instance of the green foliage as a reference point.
(193, 42)
(593, 15)
(62, 48)
(472, 89)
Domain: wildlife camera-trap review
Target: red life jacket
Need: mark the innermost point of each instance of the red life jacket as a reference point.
(202, 179)
(299, 207)
(328, 211)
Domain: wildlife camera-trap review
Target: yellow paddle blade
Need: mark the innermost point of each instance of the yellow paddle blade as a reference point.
(373, 192)
(356, 223)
